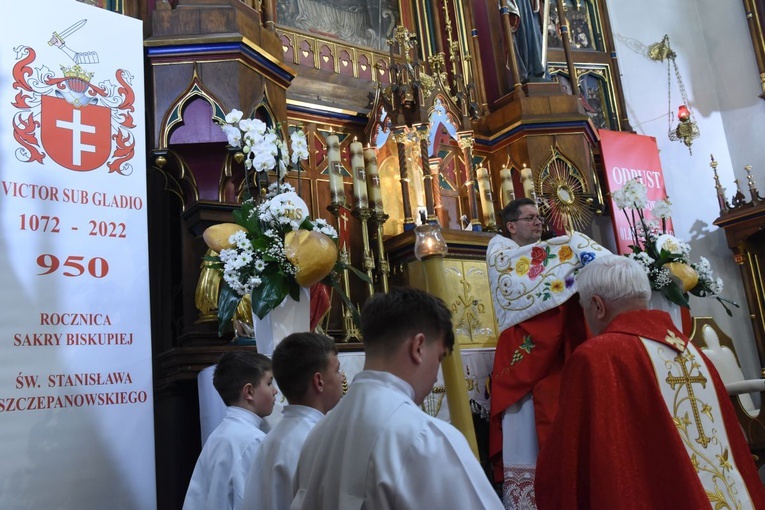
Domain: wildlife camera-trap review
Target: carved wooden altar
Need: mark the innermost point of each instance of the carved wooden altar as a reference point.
(205, 57)
(745, 232)
(466, 279)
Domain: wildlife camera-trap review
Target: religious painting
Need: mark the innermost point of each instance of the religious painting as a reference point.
(111, 5)
(584, 32)
(367, 23)
(755, 16)
(595, 93)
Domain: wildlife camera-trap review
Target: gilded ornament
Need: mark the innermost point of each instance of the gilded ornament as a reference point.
(674, 341)
(217, 236)
(683, 274)
(313, 254)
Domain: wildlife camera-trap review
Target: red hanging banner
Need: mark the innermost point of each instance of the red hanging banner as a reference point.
(627, 156)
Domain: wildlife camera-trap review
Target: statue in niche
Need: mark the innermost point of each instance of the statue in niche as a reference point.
(358, 22)
(524, 18)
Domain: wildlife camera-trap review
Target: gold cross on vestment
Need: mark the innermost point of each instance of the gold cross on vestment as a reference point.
(675, 341)
(687, 380)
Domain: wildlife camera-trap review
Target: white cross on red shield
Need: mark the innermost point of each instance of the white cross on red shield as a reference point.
(76, 138)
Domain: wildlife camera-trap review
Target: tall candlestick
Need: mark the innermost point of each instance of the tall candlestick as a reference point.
(364, 214)
(487, 200)
(336, 190)
(373, 180)
(508, 191)
(359, 175)
(721, 200)
(527, 179)
(382, 261)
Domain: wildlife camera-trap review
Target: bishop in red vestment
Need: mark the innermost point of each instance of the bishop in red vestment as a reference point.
(644, 421)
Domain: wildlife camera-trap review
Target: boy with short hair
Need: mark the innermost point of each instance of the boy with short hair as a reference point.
(245, 383)
(307, 371)
(377, 448)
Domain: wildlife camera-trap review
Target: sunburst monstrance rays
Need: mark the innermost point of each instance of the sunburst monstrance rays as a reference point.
(561, 190)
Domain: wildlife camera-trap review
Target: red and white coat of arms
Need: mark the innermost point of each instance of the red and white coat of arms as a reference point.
(79, 124)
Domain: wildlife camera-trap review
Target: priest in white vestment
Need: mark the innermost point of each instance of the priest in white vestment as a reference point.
(540, 322)
(244, 381)
(307, 370)
(378, 448)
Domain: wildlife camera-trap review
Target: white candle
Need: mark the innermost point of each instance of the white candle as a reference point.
(359, 175)
(373, 180)
(487, 201)
(336, 190)
(527, 179)
(508, 191)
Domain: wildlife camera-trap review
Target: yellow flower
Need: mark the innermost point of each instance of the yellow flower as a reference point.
(557, 286)
(565, 253)
(522, 266)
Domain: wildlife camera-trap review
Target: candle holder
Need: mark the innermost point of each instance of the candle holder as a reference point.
(755, 194)
(334, 209)
(429, 242)
(379, 218)
(351, 332)
(722, 201)
(363, 214)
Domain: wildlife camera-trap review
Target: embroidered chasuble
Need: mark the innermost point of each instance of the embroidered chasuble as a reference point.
(531, 279)
(645, 422)
(540, 325)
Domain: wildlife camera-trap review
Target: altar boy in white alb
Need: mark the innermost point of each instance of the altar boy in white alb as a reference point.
(244, 381)
(307, 371)
(377, 448)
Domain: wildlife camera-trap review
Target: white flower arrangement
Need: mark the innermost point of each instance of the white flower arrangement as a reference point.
(256, 260)
(258, 256)
(665, 258)
(263, 149)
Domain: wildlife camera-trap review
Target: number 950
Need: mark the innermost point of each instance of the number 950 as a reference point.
(74, 265)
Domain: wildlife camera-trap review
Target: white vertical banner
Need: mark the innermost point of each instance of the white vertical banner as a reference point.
(76, 417)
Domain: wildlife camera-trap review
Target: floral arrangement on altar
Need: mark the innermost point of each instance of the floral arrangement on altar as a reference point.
(274, 248)
(665, 258)
(263, 149)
